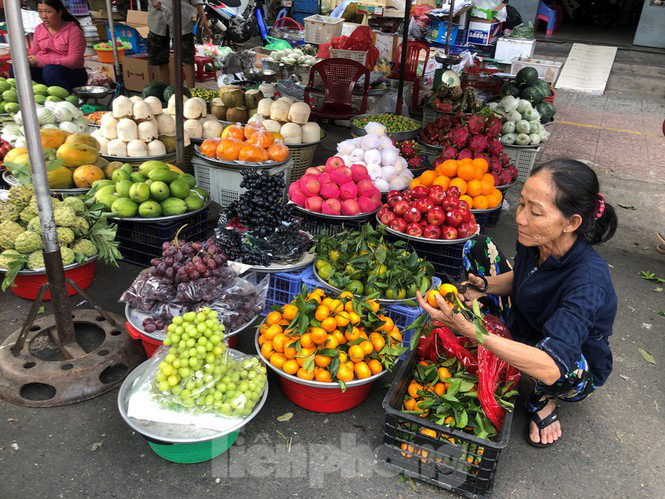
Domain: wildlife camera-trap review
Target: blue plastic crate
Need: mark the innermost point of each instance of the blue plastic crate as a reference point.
(285, 286)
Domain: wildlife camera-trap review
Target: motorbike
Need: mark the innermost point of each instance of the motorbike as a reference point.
(233, 20)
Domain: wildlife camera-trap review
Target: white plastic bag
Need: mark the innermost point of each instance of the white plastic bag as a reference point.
(485, 9)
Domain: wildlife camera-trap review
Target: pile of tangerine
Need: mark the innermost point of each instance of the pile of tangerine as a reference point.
(470, 176)
(251, 143)
(345, 339)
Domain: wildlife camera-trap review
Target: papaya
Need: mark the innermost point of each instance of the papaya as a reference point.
(166, 176)
(75, 155)
(101, 163)
(60, 178)
(18, 155)
(83, 138)
(85, 175)
(53, 138)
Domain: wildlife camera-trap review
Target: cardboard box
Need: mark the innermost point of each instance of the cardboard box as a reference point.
(437, 31)
(483, 32)
(508, 49)
(137, 72)
(134, 32)
(487, 14)
(387, 44)
(94, 64)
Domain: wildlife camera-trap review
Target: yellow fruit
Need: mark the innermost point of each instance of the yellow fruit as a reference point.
(75, 155)
(85, 175)
(52, 138)
(85, 139)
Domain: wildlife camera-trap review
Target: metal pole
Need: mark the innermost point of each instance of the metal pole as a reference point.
(116, 61)
(402, 62)
(52, 258)
(450, 25)
(177, 60)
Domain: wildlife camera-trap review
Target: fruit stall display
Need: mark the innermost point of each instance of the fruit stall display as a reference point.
(154, 191)
(328, 350)
(452, 99)
(235, 104)
(186, 277)
(258, 230)
(194, 384)
(136, 128)
(63, 116)
(199, 124)
(250, 145)
(288, 118)
(474, 137)
(366, 264)
(43, 94)
(83, 234)
(522, 122)
(429, 214)
(401, 127)
(410, 150)
(335, 189)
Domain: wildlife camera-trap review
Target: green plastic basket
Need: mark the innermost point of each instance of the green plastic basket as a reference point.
(196, 452)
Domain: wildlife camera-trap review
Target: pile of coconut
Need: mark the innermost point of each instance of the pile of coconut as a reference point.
(198, 123)
(288, 118)
(137, 127)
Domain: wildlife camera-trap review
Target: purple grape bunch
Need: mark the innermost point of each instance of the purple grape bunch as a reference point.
(183, 261)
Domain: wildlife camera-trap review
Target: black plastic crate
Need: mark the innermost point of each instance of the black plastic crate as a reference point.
(453, 460)
(446, 258)
(488, 219)
(319, 225)
(140, 242)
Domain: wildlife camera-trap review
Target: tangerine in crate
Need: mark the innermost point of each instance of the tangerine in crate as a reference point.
(229, 149)
(328, 350)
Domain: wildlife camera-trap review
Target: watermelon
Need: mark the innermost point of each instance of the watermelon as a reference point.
(546, 111)
(170, 90)
(544, 87)
(532, 94)
(509, 89)
(154, 89)
(526, 77)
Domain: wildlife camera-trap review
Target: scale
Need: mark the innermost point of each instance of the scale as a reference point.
(92, 93)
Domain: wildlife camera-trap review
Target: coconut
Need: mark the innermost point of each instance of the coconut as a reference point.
(165, 124)
(169, 142)
(171, 106)
(311, 132)
(117, 147)
(194, 128)
(252, 98)
(292, 133)
(156, 148)
(263, 108)
(122, 107)
(212, 129)
(194, 109)
(142, 111)
(137, 149)
(233, 97)
(148, 131)
(127, 130)
(155, 105)
(272, 125)
(279, 111)
(109, 126)
(299, 113)
(237, 114)
(218, 109)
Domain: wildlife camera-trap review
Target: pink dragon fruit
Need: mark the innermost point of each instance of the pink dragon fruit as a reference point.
(505, 177)
(478, 143)
(513, 171)
(476, 124)
(493, 127)
(464, 153)
(497, 181)
(495, 165)
(407, 150)
(505, 159)
(495, 147)
(460, 136)
(449, 153)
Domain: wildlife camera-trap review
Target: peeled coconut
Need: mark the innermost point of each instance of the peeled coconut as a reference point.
(136, 98)
(311, 132)
(109, 126)
(299, 113)
(148, 131)
(171, 106)
(103, 141)
(137, 149)
(117, 147)
(166, 124)
(156, 148)
(286, 99)
(122, 107)
(194, 128)
(272, 125)
(194, 109)
(263, 107)
(142, 111)
(212, 129)
(279, 111)
(127, 130)
(292, 133)
(155, 105)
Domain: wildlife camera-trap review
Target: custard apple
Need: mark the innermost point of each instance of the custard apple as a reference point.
(64, 216)
(81, 225)
(20, 195)
(36, 260)
(9, 231)
(32, 205)
(85, 247)
(75, 204)
(65, 236)
(7, 257)
(68, 256)
(27, 214)
(34, 225)
(27, 242)
(9, 212)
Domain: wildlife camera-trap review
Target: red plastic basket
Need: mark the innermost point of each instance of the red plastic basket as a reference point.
(287, 23)
(551, 98)
(27, 285)
(325, 399)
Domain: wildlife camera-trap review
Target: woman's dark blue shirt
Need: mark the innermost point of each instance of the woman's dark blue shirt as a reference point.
(565, 307)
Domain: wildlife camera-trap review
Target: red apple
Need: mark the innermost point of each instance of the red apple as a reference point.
(401, 207)
(473, 227)
(393, 193)
(465, 211)
(423, 205)
(432, 232)
(453, 218)
(463, 230)
(434, 188)
(419, 192)
(412, 215)
(436, 197)
(414, 229)
(387, 217)
(450, 203)
(449, 233)
(453, 192)
(423, 222)
(394, 199)
(399, 224)
(436, 216)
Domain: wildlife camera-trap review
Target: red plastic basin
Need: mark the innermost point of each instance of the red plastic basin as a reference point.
(27, 285)
(325, 399)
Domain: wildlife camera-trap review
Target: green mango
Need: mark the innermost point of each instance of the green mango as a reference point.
(194, 202)
(123, 187)
(10, 96)
(128, 168)
(108, 200)
(4, 86)
(12, 82)
(54, 98)
(150, 209)
(58, 92)
(137, 177)
(147, 166)
(40, 99)
(139, 192)
(159, 175)
(179, 189)
(124, 208)
(11, 107)
(40, 89)
(72, 99)
(103, 191)
(173, 206)
(159, 191)
(188, 179)
(119, 175)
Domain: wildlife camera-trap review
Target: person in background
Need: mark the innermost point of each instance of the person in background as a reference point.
(56, 54)
(160, 20)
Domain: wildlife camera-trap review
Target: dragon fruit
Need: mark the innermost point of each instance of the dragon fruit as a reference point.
(505, 177)
(505, 159)
(449, 153)
(493, 127)
(464, 153)
(478, 143)
(497, 181)
(460, 136)
(495, 147)
(495, 164)
(416, 162)
(476, 124)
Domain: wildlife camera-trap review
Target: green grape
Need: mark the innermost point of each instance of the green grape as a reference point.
(160, 377)
(163, 386)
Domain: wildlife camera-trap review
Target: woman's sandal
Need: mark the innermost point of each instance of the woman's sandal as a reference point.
(541, 424)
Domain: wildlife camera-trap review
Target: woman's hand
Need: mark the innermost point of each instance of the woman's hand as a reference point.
(32, 59)
(444, 315)
(471, 292)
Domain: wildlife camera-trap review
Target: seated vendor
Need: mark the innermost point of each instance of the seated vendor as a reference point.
(562, 301)
(58, 45)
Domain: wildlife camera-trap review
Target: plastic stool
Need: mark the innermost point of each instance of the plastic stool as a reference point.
(201, 73)
(551, 15)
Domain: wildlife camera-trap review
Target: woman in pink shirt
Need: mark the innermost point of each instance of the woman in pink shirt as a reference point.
(56, 54)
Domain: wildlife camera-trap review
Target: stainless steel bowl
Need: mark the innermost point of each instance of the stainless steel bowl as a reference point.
(92, 92)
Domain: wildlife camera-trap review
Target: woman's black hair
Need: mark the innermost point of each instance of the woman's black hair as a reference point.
(577, 193)
(64, 13)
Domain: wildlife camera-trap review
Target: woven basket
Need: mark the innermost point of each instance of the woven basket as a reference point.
(302, 156)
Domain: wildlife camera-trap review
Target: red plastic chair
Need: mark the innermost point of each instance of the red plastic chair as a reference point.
(339, 77)
(411, 69)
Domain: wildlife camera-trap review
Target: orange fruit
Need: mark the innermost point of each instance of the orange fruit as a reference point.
(375, 366)
(322, 360)
(374, 305)
(261, 138)
(279, 342)
(466, 171)
(342, 319)
(388, 323)
(272, 331)
(443, 373)
(395, 336)
(343, 357)
(326, 301)
(253, 154)
(448, 168)
(306, 340)
(428, 432)
(356, 353)
(479, 172)
(252, 128)
(488, 177)
(273, 318)
(410, 404)
(377, 341)
(339, 337)
(355, 318)
(331, 342)
(439, 389)
(424, 412)
(344, 373)
(290, 366)
(413, 389)
(346, 295)
(409, 448)
(442, 180)
(482, 163)
(322, 313)
(414, 183)
(289, 312)
(323, 376)
(290, 351)
(228, 149)
(427, 177)
(480, 202)
(348, 307)
(367, 347)
(486, 186)
(335, 306)
(466, 161)
(304, 374)
(267, 350)
(468, 199)
(474, 188)
(362, 370)
(431, 298)
(236, 132)
(329, 324)
(319, 335)
(460, 184)
(277, 360)
(352, 334)
(304, 354)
